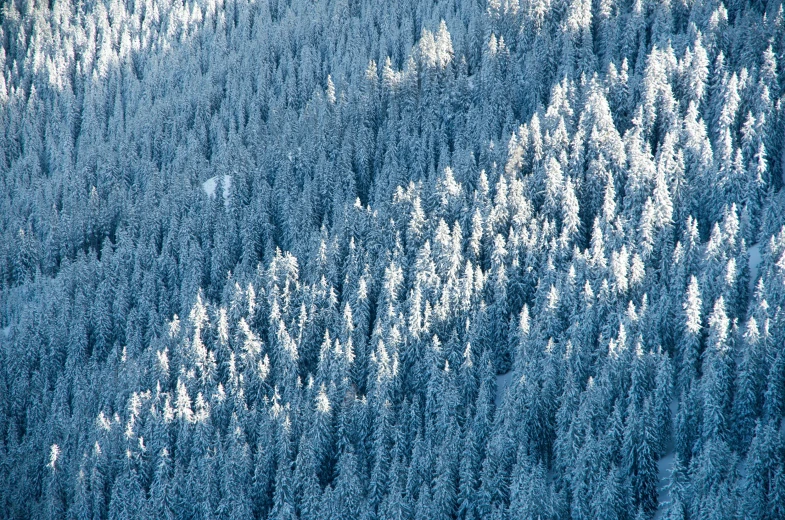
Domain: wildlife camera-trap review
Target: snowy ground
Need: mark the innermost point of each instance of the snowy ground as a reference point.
(754, 252)
(211, 184)
(664, 467)
(502, 382)
(5, 333)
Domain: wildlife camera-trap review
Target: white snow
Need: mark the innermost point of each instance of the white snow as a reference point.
(664, 468)
(502, 382)
(211, 184)
(6, 331)
(755, 259)
(743, 470)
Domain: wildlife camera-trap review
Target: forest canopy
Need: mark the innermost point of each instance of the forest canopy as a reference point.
(392, 259)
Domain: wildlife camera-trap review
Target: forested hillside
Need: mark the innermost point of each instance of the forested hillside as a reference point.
(392, 259)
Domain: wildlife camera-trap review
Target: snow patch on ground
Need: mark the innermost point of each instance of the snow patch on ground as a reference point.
(209, 186)
(502, 382)
(664, 467)
(743, 469)
(6, 331)
(755, 259)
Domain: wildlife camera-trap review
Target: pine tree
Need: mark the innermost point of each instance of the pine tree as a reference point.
(689, 349)
(348, 487)
(773, 398)
(748, 387)
(677, 508)
(716, 384)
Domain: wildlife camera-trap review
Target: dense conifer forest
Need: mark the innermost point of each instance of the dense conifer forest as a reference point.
(392, 259)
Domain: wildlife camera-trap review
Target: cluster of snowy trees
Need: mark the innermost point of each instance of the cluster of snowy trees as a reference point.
(269, 259)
